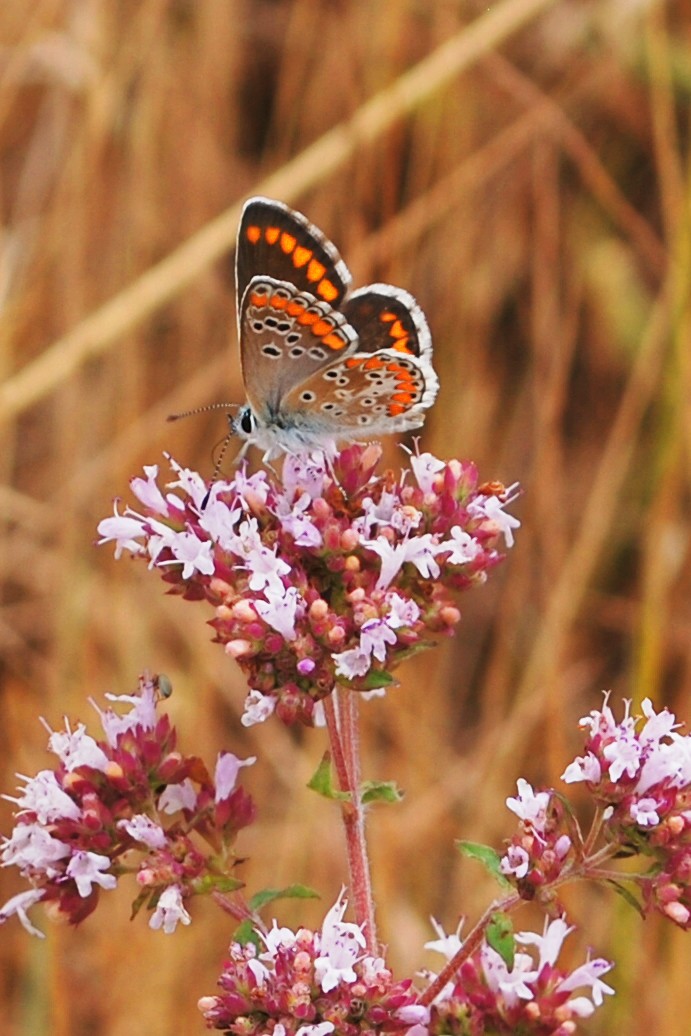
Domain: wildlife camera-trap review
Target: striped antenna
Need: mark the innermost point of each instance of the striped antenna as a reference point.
(203, 409)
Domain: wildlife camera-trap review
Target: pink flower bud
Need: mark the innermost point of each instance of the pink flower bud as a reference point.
(243, 611)
(349, 539)
(678, 913)
(318, 609)
(449, 615)
(321, 509)
(238, 648)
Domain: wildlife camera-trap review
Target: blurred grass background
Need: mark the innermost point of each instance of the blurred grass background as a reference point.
(522, 169)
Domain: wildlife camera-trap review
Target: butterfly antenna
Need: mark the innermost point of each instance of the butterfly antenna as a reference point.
(221, 455)
(202, 410)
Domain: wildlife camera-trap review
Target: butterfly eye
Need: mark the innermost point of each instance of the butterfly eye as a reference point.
(247, 421)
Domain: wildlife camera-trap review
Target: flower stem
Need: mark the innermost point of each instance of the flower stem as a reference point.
(342, 722)
(470, 945)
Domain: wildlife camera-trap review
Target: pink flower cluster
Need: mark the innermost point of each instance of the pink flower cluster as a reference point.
(308, 983)
(535, 997)
(128, 803)
(327, 574)
(541, 851)
(639, 771)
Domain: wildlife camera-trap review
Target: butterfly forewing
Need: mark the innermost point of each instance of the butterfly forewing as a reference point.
(285, 336)
(280, 243)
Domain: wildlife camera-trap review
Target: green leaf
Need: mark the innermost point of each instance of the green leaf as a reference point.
(488, 857)
(264, 896)
(322, 781)
(246, 933)
(499, 935)
(380, 791)
(627, 895)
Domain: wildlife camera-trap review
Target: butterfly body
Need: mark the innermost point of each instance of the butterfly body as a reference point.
(320, 365)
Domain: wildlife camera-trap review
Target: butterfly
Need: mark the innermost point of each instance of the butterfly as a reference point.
(319, 364)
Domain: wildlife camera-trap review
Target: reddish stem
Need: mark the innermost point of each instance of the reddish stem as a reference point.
(342, 724)
(470, 944)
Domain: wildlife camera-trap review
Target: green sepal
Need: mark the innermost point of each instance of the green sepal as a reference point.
(217, 883)
(380, 791)
(376, 678)
(488, 857)
(139, 902)
(321, 781)
(499, 935)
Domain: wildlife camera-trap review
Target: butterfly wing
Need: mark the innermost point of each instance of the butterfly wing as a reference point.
(387, 317)
(275, 241)
(286, 335)
(387, 383)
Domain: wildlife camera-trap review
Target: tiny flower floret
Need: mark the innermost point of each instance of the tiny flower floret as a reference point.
(228, 767)
(530, 806)
(340, 944)
(170, 911)
(44, 797)
(88, 869)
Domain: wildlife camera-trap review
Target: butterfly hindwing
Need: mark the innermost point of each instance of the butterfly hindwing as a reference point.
(386, 317)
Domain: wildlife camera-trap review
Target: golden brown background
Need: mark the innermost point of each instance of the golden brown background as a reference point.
(522, 167)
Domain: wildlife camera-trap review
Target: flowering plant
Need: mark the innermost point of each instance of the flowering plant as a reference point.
(322, 581)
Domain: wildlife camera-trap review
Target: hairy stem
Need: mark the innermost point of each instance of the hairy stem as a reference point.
(342, 722)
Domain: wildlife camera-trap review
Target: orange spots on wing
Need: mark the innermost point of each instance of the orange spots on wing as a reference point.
(258, 298)
(404, 397)
(271, 234)
(387, 316)
(353, 361)
(327, 290)
(395, 409)
(301, 255)
(315, 270)
(402, 346)
(335, 340)
(295, 307)
(253, 234)
(374, 364)
(288, 243)
(278, 302)
(397, 330)
(308, 317)
(322, 327)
